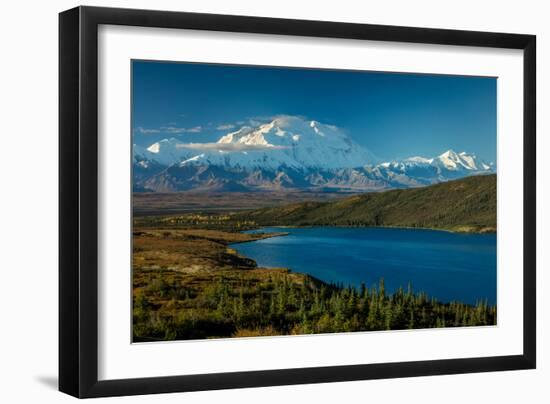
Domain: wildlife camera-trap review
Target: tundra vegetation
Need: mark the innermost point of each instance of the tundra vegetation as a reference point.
(189, 284)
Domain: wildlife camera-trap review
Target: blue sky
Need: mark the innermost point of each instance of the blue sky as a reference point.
(393, 115)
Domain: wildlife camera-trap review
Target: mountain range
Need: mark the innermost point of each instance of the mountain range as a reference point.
(289, 153)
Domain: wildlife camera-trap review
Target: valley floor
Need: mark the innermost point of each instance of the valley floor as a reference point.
(179, 203)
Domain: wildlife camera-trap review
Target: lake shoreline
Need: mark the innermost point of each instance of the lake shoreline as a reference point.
(301, 257)
(261, 236)
(481, 231)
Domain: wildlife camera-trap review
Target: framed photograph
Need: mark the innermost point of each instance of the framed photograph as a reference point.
(252, 202)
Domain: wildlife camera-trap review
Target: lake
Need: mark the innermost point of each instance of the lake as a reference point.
(447, 266)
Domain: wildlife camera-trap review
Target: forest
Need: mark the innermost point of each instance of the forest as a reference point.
(278, 306)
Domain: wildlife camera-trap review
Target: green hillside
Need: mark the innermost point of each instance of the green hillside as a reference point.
(468, 205)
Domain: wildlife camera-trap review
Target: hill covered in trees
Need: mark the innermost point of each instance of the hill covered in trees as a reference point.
(468, 205)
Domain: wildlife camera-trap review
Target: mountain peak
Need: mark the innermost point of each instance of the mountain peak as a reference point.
(449, 161)
(449, 154)
(307, 143)
(163, 144)
(463, 160)
(236, 136)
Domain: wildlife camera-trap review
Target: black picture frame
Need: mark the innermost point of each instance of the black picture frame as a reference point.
(78, 201)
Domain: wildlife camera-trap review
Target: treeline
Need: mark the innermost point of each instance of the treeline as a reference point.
(280, 306)
(208, 221)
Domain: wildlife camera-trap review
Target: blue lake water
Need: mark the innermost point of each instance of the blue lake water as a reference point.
(448, 266)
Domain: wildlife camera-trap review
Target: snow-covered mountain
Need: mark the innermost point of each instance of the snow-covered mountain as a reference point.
(446, 166)
(287, 141)
(288, 153)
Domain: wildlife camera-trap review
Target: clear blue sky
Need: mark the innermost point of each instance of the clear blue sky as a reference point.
(393, 115)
